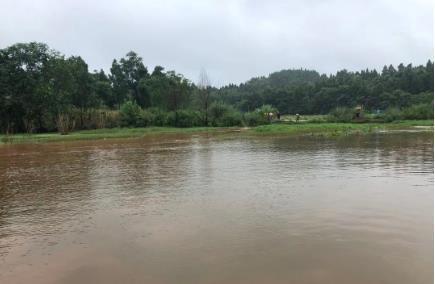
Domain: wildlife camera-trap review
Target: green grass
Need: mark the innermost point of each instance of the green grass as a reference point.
(106, 134)
(283, 128)
(334, 129)
(305, 118)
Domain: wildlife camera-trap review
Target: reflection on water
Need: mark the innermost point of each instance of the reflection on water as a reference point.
(199, 209)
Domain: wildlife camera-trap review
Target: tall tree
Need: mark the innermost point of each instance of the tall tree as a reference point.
(126, 76)
(204, 94)
(83, 96)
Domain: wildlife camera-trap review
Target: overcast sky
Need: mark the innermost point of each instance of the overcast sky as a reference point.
(233, 40)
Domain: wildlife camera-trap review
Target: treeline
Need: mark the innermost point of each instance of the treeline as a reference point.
(308, 92)
(43, 90)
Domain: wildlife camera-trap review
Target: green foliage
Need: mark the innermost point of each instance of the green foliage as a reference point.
(159, 117)
(130, 114)
(184, 118)
(216, 111)
(419, 111)
(254, 118)
(392, 114)
(307, 92)
(146, 118)
(265, 109)
(341, 114)
(221, 114)
(65, 123)
(38, 85)
(259, 116)
(231, 118)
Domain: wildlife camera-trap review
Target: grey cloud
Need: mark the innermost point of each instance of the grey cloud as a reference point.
(233, 40)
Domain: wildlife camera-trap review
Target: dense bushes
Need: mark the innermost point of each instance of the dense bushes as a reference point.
(184, 118)
(419, 111)
(391, 114)
(221, 114)
(42, 90)
(130, 114)
(259, 116)
(341, 114)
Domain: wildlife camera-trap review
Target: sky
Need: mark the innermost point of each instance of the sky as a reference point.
(232, 40)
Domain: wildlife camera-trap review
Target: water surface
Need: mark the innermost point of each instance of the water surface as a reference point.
(207, 209)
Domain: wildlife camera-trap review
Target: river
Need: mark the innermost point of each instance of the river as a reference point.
(219, 209)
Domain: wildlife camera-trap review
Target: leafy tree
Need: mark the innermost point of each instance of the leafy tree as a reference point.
(204, 96)
(126, 77)
(39, 85)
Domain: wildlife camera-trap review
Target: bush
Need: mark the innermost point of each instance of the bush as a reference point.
(392, 114)
(221, 114)
(158, 116)
(130, 114)
(111, 119)
(65, 124)
(184, 118)
(231, 118)
(265, 109)
(259, 116)
(254, 118)
(264, 113)
(341, 114)
(146, 118)
(216, 112)
(419, 111)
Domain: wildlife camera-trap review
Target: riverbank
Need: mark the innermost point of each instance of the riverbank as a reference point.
(321, 128)
(337, 129)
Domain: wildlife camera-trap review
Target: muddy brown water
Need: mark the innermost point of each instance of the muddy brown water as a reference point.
(207, 209)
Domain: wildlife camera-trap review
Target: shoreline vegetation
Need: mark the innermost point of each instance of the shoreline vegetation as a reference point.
(44, 91)
(282, 128)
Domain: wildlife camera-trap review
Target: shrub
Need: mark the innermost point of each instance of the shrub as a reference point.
(130, 114)
(216, 112)
(254, 118)
(231, 118)
(259, 116)
(65, 124)
(159, 117)
(419, 111)
(392, 114)
(146, 118)
(341, 114)
(265, 109)
(111, 119)
(221, 114)
(184, 118)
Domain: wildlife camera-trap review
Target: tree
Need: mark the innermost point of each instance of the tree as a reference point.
(22, 71)
(82, 96)
(204, 94)
(103, 89)
(119, 83)
(126, 76)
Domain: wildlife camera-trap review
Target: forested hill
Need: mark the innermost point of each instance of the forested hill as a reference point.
(285, 78)
(306, 91)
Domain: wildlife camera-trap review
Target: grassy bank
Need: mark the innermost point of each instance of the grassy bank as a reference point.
(333, 129)
(321, 128)
(106, 133)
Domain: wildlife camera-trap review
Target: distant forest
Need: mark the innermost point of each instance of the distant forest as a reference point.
(40, 86)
